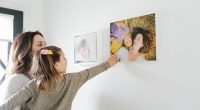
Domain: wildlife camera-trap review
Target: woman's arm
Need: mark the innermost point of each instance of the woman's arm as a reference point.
(18, 98)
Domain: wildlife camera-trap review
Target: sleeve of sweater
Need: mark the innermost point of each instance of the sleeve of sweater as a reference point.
(18, 98)
(13, 84)
(85, 75)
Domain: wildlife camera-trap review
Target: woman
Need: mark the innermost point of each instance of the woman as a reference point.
(141, 44)
(23, 48)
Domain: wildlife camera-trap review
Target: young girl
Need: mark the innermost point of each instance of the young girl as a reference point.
(51, 88)
(118, 30)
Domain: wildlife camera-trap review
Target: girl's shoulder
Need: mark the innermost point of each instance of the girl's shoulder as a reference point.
(69, 76)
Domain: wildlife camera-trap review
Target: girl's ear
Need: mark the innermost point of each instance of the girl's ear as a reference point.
(56, 65)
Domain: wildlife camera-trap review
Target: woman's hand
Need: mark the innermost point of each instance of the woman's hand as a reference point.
(133, 54)
(114, 59)
(133, 51)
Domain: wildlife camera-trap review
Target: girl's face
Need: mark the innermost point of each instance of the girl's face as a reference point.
(138, 39)
(120, 24)
(62, 64)
(38, 43)
(127, 41)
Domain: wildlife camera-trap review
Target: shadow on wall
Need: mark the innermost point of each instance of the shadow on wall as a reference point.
(138, 70)
(148, 72)
(109, 102)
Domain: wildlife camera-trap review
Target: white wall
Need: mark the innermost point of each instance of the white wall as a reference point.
(170, 83)
(33, 13)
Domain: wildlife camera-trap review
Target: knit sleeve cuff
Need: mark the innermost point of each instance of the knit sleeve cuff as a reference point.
(107, 65)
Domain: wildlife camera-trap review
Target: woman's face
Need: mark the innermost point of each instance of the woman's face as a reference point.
(139, 39)
(62, 64)
(38, 43)
(127, 41)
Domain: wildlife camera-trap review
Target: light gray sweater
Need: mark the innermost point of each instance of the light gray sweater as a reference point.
(11, 85)
(60, 99)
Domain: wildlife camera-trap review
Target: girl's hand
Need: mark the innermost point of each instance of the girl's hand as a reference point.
(113, 60)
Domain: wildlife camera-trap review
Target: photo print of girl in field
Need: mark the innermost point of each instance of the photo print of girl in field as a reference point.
(134, 39)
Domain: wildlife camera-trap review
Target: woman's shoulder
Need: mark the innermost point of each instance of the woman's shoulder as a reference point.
(17, 80)
(17, 77)
(13, 83)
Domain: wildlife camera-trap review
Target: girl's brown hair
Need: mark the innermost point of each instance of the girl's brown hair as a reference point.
(43, 68)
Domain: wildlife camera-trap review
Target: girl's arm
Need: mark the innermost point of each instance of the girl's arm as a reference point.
(87, 74)
(18, 98)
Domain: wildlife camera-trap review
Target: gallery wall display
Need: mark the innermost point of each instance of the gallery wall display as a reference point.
(85, 48)
(134, 39)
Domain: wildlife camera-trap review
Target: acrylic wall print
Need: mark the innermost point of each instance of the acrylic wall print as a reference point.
(85, 50)
(134, 39)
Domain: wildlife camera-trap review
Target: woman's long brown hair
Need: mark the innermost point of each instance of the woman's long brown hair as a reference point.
(22, 53)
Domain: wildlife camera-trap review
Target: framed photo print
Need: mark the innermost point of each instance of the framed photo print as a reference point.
(85, 48)
(134, 39)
